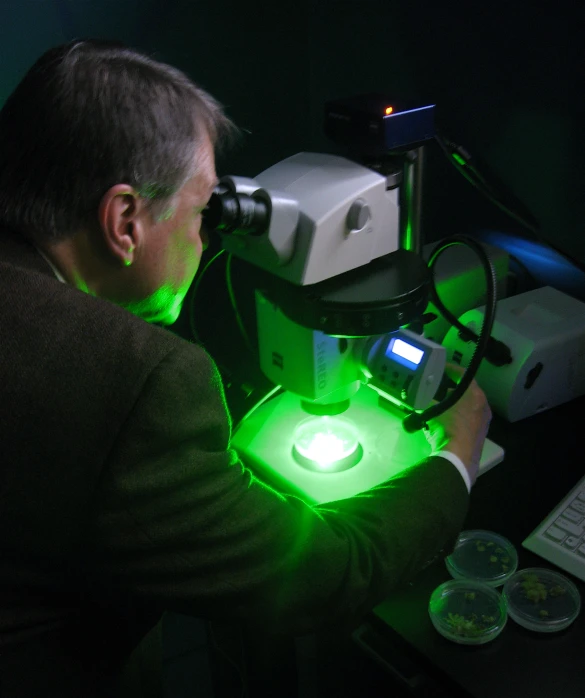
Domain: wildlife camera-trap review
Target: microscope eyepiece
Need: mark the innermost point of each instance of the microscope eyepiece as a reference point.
(236, 214)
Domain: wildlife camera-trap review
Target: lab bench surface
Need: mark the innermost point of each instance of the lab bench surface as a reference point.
(544, 460)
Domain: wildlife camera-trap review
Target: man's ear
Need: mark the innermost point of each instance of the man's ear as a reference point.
(120, 222)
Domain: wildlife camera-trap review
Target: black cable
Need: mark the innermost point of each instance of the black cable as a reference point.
(462, 161)
(418, 420)
(497, 353)
(193, 292)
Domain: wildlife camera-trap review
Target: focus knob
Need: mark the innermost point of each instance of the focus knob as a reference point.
(358, 216)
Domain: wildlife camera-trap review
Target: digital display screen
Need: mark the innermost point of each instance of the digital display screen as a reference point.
(405, 353)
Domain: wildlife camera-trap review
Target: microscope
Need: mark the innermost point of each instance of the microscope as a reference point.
(340, 289)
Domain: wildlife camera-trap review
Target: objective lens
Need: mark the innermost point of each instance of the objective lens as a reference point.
(236, 214)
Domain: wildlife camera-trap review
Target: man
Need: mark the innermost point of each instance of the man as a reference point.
(119, 495)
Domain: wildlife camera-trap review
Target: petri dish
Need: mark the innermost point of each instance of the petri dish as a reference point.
(542, 600)
(483, 556)
(326, 444)
(467, 612)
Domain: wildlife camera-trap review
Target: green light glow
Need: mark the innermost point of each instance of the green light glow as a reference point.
(408, 238)
(326, 444)
(163, 306)
(265, 442)
(408, 242)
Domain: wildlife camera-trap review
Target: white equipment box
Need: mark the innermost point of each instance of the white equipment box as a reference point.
(545, 330)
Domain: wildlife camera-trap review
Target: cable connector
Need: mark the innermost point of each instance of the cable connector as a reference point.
(414, 422)
(498, 353)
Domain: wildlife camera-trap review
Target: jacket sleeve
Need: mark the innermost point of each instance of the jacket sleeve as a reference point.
(180, 522)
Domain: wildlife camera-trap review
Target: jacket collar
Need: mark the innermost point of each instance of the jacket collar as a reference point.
(20, 252)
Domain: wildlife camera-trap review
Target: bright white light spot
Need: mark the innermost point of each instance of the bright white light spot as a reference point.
(325, 442)
(407, 351)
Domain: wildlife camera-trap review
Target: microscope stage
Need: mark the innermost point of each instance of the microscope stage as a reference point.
(264, 441)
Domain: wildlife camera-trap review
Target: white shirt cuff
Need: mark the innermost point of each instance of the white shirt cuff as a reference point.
(458, 463)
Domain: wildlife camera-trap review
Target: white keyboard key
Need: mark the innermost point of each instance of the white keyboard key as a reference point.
(572, 542)
(569, 527)
(572, 515)
(555, 533)
(559, 537)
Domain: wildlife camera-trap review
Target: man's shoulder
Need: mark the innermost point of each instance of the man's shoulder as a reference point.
(43, 316)
(33, 304)
(106, 328)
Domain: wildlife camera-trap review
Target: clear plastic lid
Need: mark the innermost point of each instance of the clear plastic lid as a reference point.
(483, 556)
(467, 612)
(542, 600)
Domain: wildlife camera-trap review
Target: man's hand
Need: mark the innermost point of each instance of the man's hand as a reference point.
(462, 429)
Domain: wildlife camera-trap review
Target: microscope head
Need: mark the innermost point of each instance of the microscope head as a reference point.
(308, 218)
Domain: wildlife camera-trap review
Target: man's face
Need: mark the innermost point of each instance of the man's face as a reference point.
(173, 244)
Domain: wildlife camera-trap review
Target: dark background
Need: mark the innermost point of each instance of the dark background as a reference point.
(506, 78)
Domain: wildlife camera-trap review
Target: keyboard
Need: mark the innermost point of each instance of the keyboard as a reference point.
(560, 537)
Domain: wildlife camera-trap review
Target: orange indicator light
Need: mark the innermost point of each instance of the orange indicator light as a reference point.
(388, 110)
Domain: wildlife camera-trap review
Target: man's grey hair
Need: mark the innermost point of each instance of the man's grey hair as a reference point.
(92, 114)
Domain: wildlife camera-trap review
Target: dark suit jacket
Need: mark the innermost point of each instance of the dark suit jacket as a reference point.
(120, 497)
